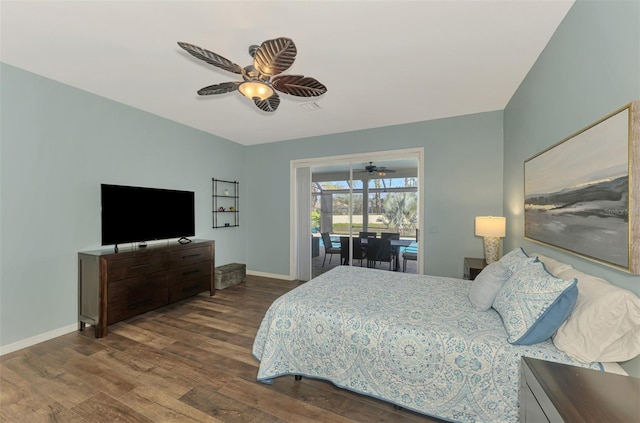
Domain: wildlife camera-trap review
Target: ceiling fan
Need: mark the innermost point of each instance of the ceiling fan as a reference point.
(379, 170)
(260, 82)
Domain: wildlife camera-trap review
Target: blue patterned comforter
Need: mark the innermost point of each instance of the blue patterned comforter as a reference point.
(412, 340)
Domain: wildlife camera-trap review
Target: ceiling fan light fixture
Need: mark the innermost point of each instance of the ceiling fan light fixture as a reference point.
(255, 90)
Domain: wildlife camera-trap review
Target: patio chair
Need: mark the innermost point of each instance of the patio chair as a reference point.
(409, 253)
(367, 235)
(384, 252)
(328, 247)
(373, 245)
(359, 253)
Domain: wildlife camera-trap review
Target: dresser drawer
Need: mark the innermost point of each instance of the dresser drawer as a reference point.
(190, 255)
(188, 288)
(187, 273)
(137, 265)
(130, 297)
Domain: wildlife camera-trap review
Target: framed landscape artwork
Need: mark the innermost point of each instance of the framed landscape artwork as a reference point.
(582, 194)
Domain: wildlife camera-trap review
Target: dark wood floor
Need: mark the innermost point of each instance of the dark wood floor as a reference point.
(188, 362)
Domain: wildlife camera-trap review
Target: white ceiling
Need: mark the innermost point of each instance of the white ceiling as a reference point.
(383, 62)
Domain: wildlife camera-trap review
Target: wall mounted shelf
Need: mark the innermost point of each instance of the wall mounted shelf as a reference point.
(226, 197)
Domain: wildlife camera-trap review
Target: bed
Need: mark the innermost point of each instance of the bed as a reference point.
(415, 341)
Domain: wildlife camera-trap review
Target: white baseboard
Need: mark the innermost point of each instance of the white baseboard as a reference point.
(269, 275)
(24, 343)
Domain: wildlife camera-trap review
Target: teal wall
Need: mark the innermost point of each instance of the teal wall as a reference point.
(462, 179)
(58, 144)
(590, 68)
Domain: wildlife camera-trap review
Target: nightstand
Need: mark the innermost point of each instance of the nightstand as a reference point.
(554, 392)
(473, 266)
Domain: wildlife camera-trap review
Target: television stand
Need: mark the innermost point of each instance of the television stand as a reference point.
(117, 286)
(184, 240)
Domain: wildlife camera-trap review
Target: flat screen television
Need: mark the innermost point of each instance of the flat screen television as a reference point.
(138, 214)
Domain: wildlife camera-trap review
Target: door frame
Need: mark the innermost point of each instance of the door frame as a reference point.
(372, 156)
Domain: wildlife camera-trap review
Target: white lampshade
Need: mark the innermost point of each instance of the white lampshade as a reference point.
(491, 226)
(255, 90)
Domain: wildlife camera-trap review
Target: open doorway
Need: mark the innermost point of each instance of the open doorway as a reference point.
(355, 198)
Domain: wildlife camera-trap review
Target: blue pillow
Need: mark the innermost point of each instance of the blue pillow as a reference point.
(533, 304)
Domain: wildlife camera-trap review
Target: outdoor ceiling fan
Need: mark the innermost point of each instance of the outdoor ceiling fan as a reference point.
(260, 82)
(373, 169)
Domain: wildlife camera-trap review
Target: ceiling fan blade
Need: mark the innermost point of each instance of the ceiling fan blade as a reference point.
(275, 56)
(270, 104)
(225, 87)
(298, 85)
(211, 57)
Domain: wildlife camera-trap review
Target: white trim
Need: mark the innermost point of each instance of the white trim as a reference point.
(302, 243)
(406, 153)
(24, 343)
(269, 275)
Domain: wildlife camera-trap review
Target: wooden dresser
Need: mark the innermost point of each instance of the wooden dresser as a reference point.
(554, 392)
(116, 286)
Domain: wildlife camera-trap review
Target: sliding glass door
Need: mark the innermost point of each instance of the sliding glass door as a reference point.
(349, 196)
(355, 199)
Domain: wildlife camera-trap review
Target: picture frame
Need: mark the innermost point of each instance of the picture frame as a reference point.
(582, 194)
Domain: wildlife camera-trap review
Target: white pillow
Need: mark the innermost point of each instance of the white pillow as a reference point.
(605, 323)
(487, 284)
(553, 266)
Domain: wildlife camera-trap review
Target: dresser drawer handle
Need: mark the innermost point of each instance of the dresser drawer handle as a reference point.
(140, 266)
(191, 255)
(140, 304)
(190, 288)
(191, 272)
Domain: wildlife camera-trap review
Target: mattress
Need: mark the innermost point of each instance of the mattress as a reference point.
(413, 340)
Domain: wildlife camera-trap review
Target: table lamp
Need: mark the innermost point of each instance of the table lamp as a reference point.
(492, 228)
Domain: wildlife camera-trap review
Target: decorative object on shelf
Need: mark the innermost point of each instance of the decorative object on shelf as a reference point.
(225, 196)
(492, 228)
(259, 79)
(590, 205)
